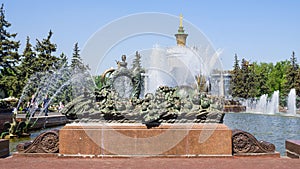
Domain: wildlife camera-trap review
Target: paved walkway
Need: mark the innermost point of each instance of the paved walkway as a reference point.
(144, 163)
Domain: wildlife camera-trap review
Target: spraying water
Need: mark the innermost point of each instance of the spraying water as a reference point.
(273, 104)
(292, 103)
(53, 83)
(264, 104)
(177, 66)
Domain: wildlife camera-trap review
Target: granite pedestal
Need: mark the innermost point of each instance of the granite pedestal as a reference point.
(4, 148)
(130, 140)
(292, 148)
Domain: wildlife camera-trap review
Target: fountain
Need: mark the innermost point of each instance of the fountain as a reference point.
(168, 123)
(261, 106)
(157, 110)
(264, 104)
(273, 104)
(119, 101)
(48, 83)
(291, 103)
(127, 121)
(170, 109)
(270, 106)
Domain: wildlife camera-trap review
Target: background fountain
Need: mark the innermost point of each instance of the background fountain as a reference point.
(271, 105)
(264, 104)
(175, 66)
(291, 104)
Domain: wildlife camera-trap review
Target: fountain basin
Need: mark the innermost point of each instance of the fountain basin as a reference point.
(45, 121)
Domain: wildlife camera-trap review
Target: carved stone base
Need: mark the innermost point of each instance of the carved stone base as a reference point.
(244, 142)
(46, 142)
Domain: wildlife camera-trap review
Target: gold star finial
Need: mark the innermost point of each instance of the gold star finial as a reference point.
(180, 20)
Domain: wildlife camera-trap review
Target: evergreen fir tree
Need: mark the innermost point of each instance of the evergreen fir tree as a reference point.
(44, 49)
(81, 79)
(64, 59)
(65, 94)
(27, 61)
(262, 84)
(26, 68)
(291, 75)
(297, 82)
(235, 79)
(9, 58)
(252, 82)
(245, 79)
(76, 61)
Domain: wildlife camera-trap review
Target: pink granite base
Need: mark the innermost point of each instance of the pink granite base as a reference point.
(257, 155)
(292, 148)
(129, 140)
(4, 148)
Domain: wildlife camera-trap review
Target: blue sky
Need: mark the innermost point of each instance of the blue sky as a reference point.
(258, 30)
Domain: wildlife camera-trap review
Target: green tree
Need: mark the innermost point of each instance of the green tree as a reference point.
(261, 72)
(63, 61)
(252, 82)
(9, 58)
(276, 77)
(81, 80)
(26, 67)
(291, 74)
(65, 94)
(297, 83)
(45, 58)
(76, 62)
(235, 88)
(244, 80)
(27, 60)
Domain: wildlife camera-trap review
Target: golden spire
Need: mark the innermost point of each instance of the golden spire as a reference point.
(180, 20)
(181, 36)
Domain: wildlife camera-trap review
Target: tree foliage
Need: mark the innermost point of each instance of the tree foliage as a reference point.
(291, 74)
(252, 80)
(45, 59)
(235, 82)
(9, 57)
(248, 79)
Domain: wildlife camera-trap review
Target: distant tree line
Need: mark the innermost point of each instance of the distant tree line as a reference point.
(251, 80)
(16, 66)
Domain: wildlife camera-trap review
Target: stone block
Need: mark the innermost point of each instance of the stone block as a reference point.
(293, 148)
(257, 155)
(4, 147)
(292, 154)
(170, 140)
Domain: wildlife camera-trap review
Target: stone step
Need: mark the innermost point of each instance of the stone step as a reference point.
(292, 148)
